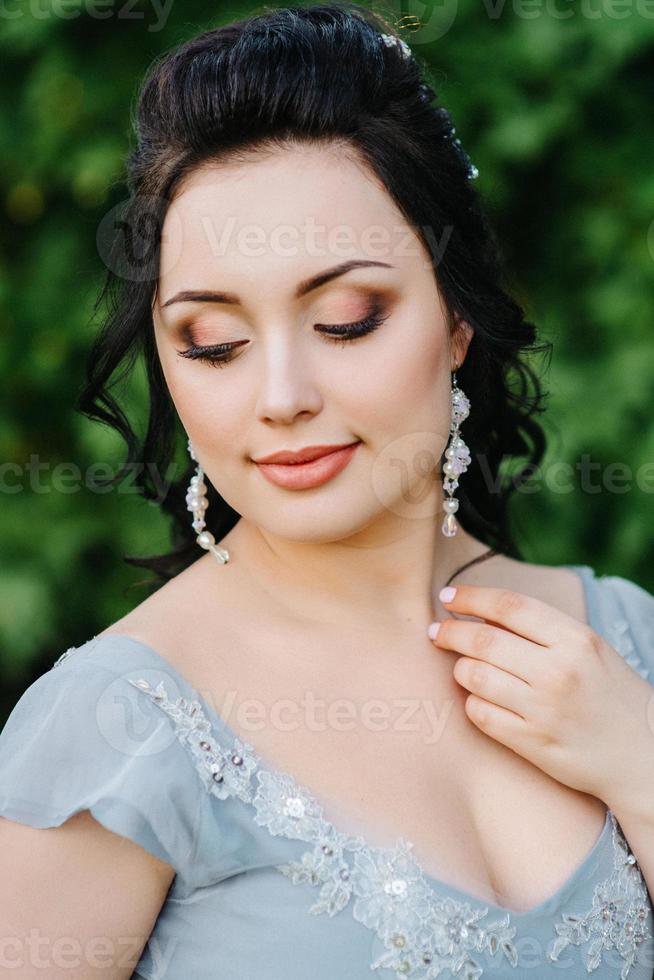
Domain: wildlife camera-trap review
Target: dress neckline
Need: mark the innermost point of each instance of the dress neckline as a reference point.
(438, 885)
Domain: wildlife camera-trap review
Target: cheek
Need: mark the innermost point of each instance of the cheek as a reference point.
(403, 407)
(208, 409)
(405, 386)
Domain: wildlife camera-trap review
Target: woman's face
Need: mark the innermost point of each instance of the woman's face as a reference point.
(257, 232)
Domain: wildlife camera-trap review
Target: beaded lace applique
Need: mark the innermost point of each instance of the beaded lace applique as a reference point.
(423, 934)
(617, 917)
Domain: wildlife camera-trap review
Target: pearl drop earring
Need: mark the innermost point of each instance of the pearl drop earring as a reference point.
(457, 456)
(197, 503)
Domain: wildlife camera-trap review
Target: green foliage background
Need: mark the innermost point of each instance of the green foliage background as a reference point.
(553, 102)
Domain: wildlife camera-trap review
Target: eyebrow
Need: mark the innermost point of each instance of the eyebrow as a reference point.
(304, 287)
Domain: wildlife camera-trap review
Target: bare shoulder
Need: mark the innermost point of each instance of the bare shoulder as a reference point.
(557, 586)
(169, 612)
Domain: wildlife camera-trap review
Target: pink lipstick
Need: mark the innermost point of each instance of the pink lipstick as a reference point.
(313, 473)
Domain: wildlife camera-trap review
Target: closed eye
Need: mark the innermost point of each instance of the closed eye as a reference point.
(339, 333)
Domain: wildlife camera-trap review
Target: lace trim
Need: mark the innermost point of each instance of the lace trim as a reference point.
(617, 917)
(423, 934)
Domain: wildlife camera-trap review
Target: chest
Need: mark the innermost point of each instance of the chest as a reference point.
(377, 732)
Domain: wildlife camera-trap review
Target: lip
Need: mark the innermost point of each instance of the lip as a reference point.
(300, 476)
(290, 456)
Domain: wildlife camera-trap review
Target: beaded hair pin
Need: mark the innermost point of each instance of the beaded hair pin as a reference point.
(392, 41)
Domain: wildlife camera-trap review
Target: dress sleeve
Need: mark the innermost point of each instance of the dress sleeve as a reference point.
(632, 623)
(82, 737)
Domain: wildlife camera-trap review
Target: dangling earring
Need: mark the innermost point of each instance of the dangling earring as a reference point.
(197, 503)
(458, 458)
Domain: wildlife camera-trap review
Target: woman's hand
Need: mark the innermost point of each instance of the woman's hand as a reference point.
(551, 689)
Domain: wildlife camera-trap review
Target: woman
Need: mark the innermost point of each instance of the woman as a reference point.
(269, 768)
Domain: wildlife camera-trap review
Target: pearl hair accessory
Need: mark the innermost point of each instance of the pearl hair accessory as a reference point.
(197, 503)
(392, 41)
(457, 456)
(473, 172)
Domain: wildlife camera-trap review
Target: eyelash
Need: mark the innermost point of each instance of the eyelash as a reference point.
(217, 355)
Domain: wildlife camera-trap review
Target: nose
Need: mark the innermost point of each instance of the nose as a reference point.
(287, 387)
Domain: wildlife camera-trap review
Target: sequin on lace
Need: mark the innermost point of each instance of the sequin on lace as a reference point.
(423, 934)
(617, 917)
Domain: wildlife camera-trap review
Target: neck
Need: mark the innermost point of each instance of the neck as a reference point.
(393, 573)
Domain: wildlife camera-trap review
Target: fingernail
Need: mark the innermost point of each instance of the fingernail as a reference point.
(447, 594)
(432, 630)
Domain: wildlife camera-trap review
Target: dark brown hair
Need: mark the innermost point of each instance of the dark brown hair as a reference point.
(266, 82)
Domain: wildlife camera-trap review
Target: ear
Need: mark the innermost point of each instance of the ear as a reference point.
(461, 337)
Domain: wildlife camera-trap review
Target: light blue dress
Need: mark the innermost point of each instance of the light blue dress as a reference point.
(266, 888)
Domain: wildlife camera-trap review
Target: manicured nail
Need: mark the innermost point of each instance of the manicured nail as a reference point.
(432, 630)
(447, 594)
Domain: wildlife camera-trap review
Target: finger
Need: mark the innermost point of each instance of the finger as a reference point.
(528, 617)
(498, 723)
(499, 647)
(493, 684)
